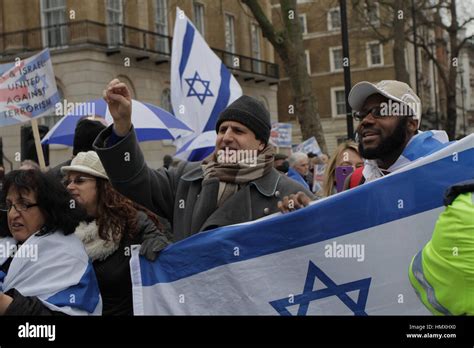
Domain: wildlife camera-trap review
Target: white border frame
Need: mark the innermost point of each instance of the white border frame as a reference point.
(307, 54)
(203, 32)
(329, 21)
(334, 113)
(331, 59)
(368, 53)
(305, 23)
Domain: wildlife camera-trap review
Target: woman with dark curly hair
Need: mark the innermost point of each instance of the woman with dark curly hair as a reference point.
(44, 269)
(114, 224)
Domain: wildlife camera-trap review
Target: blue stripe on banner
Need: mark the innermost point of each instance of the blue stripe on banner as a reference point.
(423, 145)
(44, 56)
(84, 295)
(168, 120)
(222, 99)
(201, 153)
(5, 67)
(186, 49)
(148, 134)
(100, 107)
(316, 223)
(185, 146)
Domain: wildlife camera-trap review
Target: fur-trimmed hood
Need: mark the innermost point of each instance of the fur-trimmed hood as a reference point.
(97, 248)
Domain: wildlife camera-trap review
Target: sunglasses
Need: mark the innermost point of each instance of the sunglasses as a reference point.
(79, 180)
(375, 112)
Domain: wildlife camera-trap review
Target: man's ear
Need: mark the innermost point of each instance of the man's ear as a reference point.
(261, 146)
(412, 125)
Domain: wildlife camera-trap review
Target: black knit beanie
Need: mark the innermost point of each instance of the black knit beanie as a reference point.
(85, 134)
(251, 113)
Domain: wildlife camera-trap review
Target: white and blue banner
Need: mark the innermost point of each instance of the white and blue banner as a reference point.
(54, 268)
(280, 134)
(347, 254)
(308, 146)
(27, 89)
(201, 87)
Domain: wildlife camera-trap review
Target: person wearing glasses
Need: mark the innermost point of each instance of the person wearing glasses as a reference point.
(44, 269)
(389, 116)
(114, 224)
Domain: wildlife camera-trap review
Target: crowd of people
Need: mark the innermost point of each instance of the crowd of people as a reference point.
(92, 208)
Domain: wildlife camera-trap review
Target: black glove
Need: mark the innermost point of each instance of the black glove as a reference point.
(153, 239)
(152, 246)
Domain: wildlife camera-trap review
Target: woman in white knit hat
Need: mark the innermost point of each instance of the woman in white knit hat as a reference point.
(115, 223)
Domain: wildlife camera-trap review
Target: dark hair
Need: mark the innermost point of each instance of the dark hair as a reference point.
(118, 214)
(52, 198)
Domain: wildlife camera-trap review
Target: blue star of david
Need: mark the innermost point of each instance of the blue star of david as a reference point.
(332, 289)
(192, 91)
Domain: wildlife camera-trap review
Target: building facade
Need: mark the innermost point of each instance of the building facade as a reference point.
(94, 41)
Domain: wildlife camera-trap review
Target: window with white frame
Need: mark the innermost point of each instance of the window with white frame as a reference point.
(256, 51)
(374, 53)
(161, 25)
(54, 22)
(229, 39)
(303, 23)
(372, 12)
(334, 18)
(308, 61)
(165, 100)
(114, 22)
(198, 10)
(338, 102)
(336, 58)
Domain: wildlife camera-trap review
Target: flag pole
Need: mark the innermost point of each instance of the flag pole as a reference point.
(39, 148)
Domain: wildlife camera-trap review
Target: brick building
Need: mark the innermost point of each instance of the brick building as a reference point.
(370, 59)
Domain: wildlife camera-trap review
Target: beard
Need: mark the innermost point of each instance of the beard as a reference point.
(387, 145)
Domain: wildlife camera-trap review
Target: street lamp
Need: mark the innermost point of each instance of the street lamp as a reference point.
(347, 68)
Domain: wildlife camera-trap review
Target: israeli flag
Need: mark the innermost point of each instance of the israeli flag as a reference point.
(347, 254)
(54, 268)
(201, 87)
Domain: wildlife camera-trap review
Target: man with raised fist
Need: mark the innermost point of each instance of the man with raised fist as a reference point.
(236, 183)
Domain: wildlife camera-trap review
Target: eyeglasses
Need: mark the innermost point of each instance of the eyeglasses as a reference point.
(375, 112)
(19, 207)
(79, 180)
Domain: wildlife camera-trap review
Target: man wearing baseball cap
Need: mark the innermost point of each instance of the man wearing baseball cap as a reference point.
(198, 196)
(389, 115)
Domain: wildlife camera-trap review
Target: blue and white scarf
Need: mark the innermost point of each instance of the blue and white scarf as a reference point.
(420, 145)
(54, 268)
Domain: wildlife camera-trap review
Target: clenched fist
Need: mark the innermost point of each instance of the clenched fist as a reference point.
(119, 100)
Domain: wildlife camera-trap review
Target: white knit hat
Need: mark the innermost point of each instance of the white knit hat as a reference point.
(87, 162)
